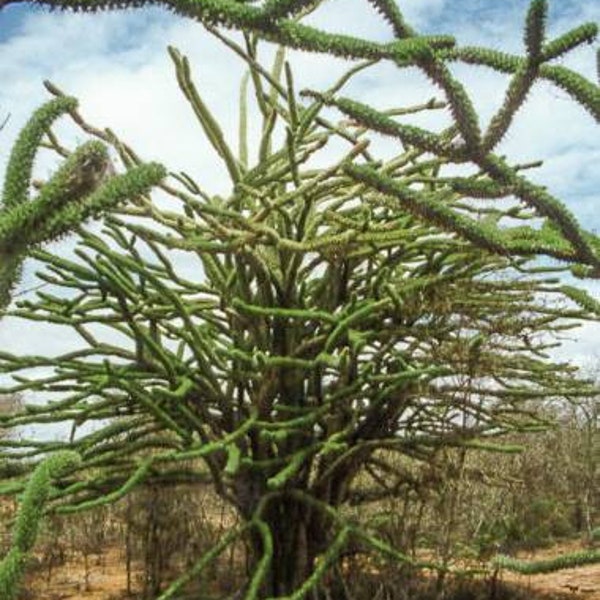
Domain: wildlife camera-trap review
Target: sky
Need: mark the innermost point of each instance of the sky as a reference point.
(116, 64)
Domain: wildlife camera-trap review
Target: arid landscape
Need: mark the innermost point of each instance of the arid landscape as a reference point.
(107, 580)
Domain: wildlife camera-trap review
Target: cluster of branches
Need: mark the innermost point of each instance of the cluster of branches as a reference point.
(80, 189)
(341, 316)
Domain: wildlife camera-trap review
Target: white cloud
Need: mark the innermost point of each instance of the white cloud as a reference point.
(359, 18)
(581, 347)
(132, 89)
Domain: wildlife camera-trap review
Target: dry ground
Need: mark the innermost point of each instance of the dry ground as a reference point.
(106, 580)
(582, 582)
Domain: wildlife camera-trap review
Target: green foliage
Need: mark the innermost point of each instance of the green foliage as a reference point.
(272, 22)
(20, 165)
(565, 561)
(329, 320)
(380, 122)
(582, 298)
(584, 34)
(535, 26)
(83, 187)
(31, 511)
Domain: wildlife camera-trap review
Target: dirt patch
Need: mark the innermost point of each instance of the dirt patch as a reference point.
(105, 578)
(581, 582)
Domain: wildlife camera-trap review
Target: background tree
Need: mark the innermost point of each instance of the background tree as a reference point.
(344, 320)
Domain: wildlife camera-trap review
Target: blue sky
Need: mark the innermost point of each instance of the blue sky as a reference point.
(117, 65)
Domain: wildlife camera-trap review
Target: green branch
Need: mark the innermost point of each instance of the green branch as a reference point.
(549, 565)
(83, 187)
(28, 519)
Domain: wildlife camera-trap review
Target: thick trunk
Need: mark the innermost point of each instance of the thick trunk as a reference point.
(299, 536)
(296, 544)
(300, 532)
(292, 562)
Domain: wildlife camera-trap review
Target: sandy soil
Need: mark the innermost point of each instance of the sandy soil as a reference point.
(106, 579)
(581, 582)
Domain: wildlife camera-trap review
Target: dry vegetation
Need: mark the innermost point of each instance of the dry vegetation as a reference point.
(462, 510)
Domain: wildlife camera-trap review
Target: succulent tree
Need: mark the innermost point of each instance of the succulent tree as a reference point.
(342, 321)
(83, 187)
